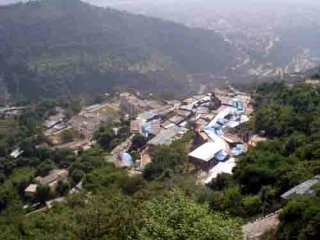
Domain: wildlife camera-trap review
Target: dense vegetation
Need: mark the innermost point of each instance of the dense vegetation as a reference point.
(290, 118)
(66, 48)
(112, 205)
(301, 218)
(165, 202)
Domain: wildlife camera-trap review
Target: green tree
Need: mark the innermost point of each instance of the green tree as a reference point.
(105, 137)
(77, 175)
(131, 185)
(63, 188)
(43, 193)
(165, 159)
(252, 205)
(300, 219)
(67, 136)
(45, 167)
(176, 217)
(138, 141)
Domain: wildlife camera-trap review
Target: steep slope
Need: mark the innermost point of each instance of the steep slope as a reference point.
(60, 47)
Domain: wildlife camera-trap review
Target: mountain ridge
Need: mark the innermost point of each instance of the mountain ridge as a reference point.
(46, 35)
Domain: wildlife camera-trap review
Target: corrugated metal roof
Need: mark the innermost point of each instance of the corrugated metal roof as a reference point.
(207, 151)
(304, 188)
(165, 136)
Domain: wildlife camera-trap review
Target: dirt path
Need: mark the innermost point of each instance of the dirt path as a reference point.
(254, 230)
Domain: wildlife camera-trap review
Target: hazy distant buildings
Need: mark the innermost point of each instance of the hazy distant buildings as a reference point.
(313, 82)
(130, 104)
(87, 123)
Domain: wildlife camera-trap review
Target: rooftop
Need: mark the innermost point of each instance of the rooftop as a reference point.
(221, 167)
(176, 119)
(232, 138)
(32, 188)
(207, 151)
(16, 153)
(166, 136)
(134, 126)
(155, 127)
(55, 175)
(304, 188)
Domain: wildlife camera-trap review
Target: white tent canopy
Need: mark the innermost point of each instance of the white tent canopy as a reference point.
(222, 167)
(207, 151)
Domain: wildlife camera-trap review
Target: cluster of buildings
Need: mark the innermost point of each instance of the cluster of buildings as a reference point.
(10, 111)
(312, 82)
(50, 180)
(55, 123)
(219, 141)
(160, 122)
(214, 117)
(89, 120)
(82, 125)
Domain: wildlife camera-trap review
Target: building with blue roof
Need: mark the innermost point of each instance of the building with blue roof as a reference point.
(221, 155)
(126, 159)
(238, 150)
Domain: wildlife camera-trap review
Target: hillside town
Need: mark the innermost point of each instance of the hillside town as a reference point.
(217, 124)
(159, 120)
(215, 119)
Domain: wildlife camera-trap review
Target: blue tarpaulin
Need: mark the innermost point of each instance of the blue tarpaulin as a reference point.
(238, 150)
(126, 159)
(147, 127)
(240, 106)
(222, 121)
(221, 155)
(237, 104)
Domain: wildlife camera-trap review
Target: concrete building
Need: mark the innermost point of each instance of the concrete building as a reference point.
(208, 154)
(167, 136)
(313, 82)
(132, 105)
(53, 177)
(87, 123)
(134, 127)
(31, 190)
(123, 147)
(153, 127)
(50, 180)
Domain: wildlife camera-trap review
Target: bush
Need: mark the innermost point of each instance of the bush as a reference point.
(43, 193)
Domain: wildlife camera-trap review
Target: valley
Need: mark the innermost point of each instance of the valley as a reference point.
(272, 39)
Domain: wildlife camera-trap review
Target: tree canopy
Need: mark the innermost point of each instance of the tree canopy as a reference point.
(68, 48)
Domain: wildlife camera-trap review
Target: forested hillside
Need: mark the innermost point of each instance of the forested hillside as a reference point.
(290, 118)
(66, 47)
(111, 205)
(164, 202)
